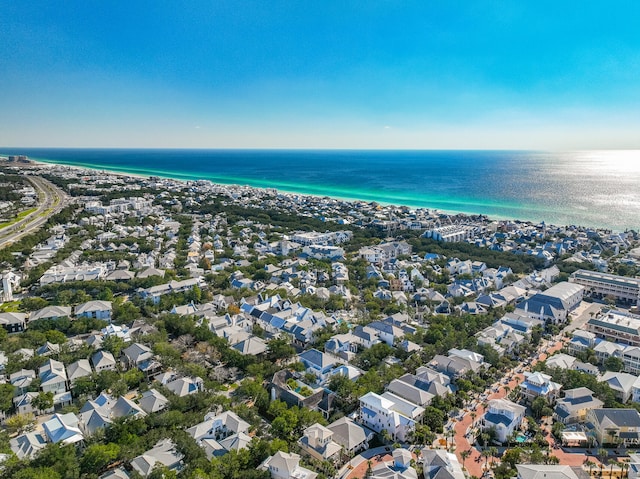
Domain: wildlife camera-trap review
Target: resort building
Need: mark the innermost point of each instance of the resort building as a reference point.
(554, 304)
(449, 234)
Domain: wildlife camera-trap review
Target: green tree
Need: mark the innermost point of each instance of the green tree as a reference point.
(114, 344)
(36, 473)
(98, 456)
(613, 363)
(538, 405)
(6, 396)
(43, 401)
(280, 349)
(434, 419)
(465, 455)
(20, 422)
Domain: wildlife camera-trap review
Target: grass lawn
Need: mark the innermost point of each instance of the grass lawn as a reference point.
(20, 216)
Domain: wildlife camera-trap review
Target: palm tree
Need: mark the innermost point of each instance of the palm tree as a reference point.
(625, 468)
(602, 454)
(473, 418)
(612, 462)
(486, 455)
(451, 433)
(464, 455)
(494, 454)
(590, 465)
(485, 437)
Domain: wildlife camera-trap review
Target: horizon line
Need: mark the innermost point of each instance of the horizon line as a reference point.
(313, 149)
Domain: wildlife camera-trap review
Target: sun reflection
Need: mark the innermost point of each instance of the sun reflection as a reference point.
(612, 161)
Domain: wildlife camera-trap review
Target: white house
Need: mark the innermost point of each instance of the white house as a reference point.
(503, 415)
(94, 309)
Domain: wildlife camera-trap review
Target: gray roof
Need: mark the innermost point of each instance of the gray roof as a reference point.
(164, 452)
(543, 471)
(347, 433)
(618, 417)
(152, 401)
(79, 369)
(91, 306)
(51, 312)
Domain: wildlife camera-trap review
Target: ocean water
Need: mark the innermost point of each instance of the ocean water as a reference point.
(588, 188)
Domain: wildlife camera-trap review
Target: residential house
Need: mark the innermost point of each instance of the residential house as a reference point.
(23, 404)
(124, 407)
(538, 384)
(53, 377)
(21, 380)
(94, 309)
(408, 387)
(27, 445)
(349, 435)
(78, 369)
(13, 322)
(63, 428)
(615, 426)
(399, 468)
(284, 465)
(164, 453)
(384, 414)
(185, 386)
(458, 363)
(103, 361)
(51, 312)
(574, 405)
(548, 471)
(136, 354)
(440, 464)
(317, 363)
(152, 401)
(503, 415)
(621, 383)
(565, 361)
(317, 442)
(252, 346)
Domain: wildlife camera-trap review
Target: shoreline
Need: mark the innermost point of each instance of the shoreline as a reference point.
(146, 176)
(187, 178)
(484, 210)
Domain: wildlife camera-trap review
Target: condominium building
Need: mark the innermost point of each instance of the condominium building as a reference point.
(617, 327)
(605, 284)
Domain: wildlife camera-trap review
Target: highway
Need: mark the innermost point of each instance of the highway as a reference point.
(51, 199)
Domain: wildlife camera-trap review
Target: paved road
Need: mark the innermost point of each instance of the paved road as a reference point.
(51, 200)
(475, 463)
(581, 315)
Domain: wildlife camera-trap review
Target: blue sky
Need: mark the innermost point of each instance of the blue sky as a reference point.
(332, 74)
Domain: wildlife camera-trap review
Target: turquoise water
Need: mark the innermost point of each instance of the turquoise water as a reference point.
(590, 188)
(520, 438)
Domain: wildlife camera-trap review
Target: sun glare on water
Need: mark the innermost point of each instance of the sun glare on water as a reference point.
(613, 161)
